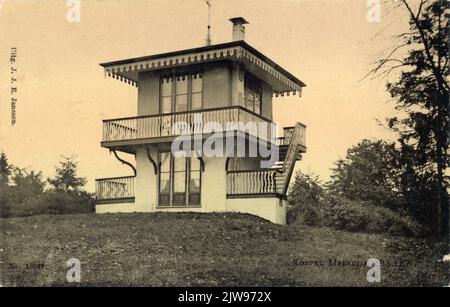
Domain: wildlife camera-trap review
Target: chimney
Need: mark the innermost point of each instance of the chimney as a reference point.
(238, 28)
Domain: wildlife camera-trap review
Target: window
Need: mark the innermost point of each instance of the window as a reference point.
(164, 179)
(194, 181)
(181, 92)
(197, 92)
(252, 95)
(166, 95)
(179, 181)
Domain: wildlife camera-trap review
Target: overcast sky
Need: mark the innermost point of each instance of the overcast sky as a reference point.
(63, 95)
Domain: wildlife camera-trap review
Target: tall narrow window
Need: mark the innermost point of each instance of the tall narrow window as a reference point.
(166, 95)
(181, 93)
(179, 181)
(249, 99)
(194, 181)
(164, 179)
(253, 95)
(197, 91)
(257, 102)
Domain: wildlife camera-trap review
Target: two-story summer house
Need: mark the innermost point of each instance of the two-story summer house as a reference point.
(203, 137)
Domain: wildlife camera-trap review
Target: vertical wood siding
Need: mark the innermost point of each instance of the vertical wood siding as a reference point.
(148, 94)
(216, 86)
(266, 101)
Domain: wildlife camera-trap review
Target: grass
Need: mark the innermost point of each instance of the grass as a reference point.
(186, 249)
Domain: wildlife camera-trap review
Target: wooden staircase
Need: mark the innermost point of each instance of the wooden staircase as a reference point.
(290, 150)
(273, 181)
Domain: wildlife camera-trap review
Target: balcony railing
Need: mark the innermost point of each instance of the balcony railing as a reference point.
(114, 188)
(186, 123)
(251, 182)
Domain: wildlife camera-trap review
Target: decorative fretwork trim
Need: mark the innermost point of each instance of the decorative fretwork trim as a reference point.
(199, 57)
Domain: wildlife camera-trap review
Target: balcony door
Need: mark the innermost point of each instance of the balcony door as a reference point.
(179, 181)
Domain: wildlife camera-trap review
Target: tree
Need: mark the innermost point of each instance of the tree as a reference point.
(5, 171)
(369, 172)
(66, 179)
(304, 199)
(26, 184)
(422, 93)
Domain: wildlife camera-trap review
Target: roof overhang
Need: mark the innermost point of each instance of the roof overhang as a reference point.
(255, 62)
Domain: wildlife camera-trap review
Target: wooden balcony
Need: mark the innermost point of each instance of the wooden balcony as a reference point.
(118, 189)
(165, 127)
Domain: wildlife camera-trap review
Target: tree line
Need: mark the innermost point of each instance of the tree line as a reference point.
(25, 192)
(364, 194)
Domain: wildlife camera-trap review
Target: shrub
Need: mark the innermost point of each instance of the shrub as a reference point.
(344, 214)
(49, 202)
(304, 199)
(388, 221)
(304, 213)
(28, 206)
(61, 202)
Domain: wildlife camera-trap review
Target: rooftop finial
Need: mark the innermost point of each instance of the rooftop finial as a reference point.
(208, 36)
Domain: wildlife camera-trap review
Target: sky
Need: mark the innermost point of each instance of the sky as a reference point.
(63, 95)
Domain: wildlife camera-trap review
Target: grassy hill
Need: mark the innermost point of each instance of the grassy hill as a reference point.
(202, 250)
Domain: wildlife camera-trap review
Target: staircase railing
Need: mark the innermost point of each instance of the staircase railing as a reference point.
(296, 138)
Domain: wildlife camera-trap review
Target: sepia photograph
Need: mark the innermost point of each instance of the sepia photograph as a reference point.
(224, 151)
